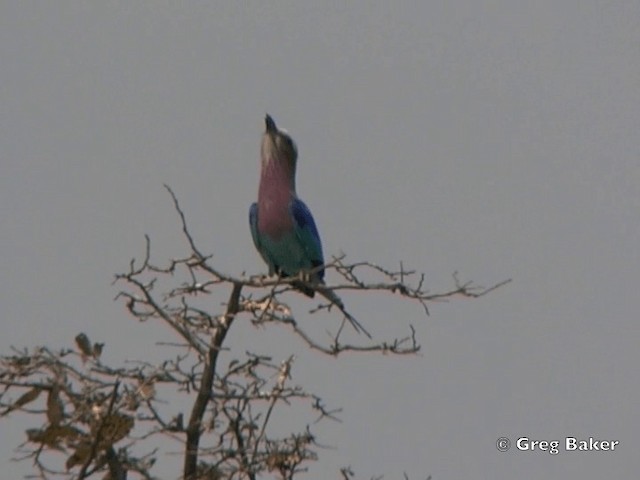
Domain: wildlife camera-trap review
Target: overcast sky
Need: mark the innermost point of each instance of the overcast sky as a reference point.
(498, 139)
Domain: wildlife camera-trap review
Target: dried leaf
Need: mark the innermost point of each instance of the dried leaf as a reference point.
(113, 428)
(84, 345)
(110, 429)
(80, 456)
(55, 409)
(146, 391)
(53, 434)
(276, 461)
(132, 402)
(97, 410)
(35, 435)
(24, 399)
(97, 350)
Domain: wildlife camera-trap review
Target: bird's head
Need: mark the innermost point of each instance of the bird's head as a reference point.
(277, 145)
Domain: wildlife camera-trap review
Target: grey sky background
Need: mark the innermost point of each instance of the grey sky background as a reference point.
(498, 139)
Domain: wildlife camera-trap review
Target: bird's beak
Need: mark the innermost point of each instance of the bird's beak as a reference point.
(270, 125)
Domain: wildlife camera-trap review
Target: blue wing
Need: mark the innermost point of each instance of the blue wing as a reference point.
(253, 223)
(307, 234)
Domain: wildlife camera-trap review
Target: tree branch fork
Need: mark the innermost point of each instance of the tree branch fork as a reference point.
(91, 407)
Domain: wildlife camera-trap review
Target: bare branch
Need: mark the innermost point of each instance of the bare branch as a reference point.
(204, 393)
(85, 406)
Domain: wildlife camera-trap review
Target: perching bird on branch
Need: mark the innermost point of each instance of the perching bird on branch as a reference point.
(282, 226)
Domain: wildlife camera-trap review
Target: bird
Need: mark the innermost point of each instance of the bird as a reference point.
(282, 226)
(283, 229)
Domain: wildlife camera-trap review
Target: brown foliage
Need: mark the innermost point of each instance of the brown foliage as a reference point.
(102, 420)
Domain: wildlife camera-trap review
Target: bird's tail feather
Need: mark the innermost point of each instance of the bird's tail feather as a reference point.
(304, 288)
(337, 301)
(330, 295)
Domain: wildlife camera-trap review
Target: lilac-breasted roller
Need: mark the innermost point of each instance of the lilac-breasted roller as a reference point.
(282, 226)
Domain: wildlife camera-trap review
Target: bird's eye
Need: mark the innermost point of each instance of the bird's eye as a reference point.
(288, 143)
